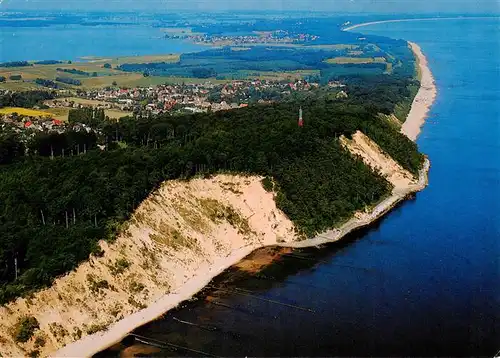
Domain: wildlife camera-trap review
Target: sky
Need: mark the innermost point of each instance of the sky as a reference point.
(340, 6)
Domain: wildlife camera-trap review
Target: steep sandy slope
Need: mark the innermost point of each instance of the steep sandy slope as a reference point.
(374, 156)
(403, 181)
(177, 233)
(177, 240)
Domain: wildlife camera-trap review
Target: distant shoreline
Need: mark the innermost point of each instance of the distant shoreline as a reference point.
(98, 342)
(352, 27)
(427, 92)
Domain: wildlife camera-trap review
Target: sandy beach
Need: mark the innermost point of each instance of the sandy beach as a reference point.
(423, 100)
(95, 343)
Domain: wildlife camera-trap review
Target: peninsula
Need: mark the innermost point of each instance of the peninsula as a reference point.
(187, 232)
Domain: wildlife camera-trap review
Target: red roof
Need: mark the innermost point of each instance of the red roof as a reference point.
(57, 122)
(27, 124)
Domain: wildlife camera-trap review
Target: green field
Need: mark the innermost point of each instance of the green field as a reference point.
(61, 113)
(58, 113)
(105, 76)
(25, 112)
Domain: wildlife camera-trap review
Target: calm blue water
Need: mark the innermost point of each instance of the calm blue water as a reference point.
(70, 42)
(424, 282)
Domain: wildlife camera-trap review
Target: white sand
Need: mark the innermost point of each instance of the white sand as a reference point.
(424, 98)
(92, 344)
(349, 28)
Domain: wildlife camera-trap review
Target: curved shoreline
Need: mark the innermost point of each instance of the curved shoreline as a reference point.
(352, 27)
(98, 342)
(95, 343)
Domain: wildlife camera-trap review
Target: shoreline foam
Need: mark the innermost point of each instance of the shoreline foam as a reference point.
(95, 343)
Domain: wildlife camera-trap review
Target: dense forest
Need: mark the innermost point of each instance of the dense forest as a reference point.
(66, 194)
(48, 62)
(69, 81)
(73, 71)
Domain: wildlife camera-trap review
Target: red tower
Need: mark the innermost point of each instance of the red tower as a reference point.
(301, 121)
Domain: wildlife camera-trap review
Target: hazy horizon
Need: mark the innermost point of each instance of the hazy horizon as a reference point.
(338, 6)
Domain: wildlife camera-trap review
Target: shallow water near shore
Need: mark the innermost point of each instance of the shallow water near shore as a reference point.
(423, 281)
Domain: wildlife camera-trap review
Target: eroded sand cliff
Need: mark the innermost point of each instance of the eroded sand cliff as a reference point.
(178, 239)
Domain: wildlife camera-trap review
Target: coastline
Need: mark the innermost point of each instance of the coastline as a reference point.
(98, 342)
(352, 27)
(95, 343)
(424, 99)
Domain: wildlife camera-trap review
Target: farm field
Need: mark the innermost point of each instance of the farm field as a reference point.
(61, 113)
(272, 62)
(82, 101)
(58, 113)
(105, 76)
(24, 112)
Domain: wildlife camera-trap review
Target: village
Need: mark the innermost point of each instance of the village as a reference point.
(184, 98)
(257, 38)
(173, 99)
